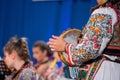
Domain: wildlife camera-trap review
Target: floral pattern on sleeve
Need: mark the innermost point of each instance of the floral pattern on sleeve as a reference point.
(98, 27)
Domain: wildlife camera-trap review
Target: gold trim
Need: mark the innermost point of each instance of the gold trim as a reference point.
(62, 58)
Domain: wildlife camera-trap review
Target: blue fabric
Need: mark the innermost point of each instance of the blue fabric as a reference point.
(59, 64)
(39, 20)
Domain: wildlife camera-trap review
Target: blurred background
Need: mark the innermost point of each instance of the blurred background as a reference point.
(40, 19)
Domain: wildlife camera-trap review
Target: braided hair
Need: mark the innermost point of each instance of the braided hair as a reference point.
(20, 46)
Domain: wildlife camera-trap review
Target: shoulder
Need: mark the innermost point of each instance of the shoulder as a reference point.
(105, 10)
(28, 74)
(108, 11)
(28, 71)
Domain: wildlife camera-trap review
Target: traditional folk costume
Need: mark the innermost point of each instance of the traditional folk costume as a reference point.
(41, 68)
(98, 53)
(26, 72)
(4, 70)
(55, 71)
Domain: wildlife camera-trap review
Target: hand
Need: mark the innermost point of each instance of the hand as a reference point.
(56, 43)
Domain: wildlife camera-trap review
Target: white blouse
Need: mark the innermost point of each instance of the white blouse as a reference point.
(99, 31)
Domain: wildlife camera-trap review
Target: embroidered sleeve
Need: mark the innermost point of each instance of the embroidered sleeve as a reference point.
(99, 31)
(28, 74)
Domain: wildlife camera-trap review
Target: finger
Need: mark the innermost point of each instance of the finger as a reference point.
(55, 37)
(52, 46)
(51, 43)
(52, 40)
(53, 49)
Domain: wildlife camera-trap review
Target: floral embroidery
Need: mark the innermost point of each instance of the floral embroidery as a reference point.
(88, 71)
(83, 71)
(95, 46)
(93, 19)
(82, 51)
(98, 27)
(28, 74)
(92, 28)
(95, 68)
(100, 17)
(97, 30)
(88, 56)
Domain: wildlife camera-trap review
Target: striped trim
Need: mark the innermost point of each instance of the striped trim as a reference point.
(112, 50)
(98, 68)
(114, 47)
(68, 46)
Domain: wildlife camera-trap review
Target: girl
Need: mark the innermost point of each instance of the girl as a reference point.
(42, 54)
(17, 57)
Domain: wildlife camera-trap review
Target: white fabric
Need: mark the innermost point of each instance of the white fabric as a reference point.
(108, 71)
(111, 12)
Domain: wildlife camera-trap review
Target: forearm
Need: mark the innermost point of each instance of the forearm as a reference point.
(99, 31)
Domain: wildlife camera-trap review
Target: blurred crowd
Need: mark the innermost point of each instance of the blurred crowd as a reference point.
(17, 65)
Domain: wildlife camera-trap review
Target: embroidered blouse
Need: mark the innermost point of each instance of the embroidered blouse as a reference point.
(27, 72)
(98, 32)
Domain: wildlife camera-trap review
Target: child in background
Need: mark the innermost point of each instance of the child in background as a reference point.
(42, 54)
(55, 70)
(16, 56)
